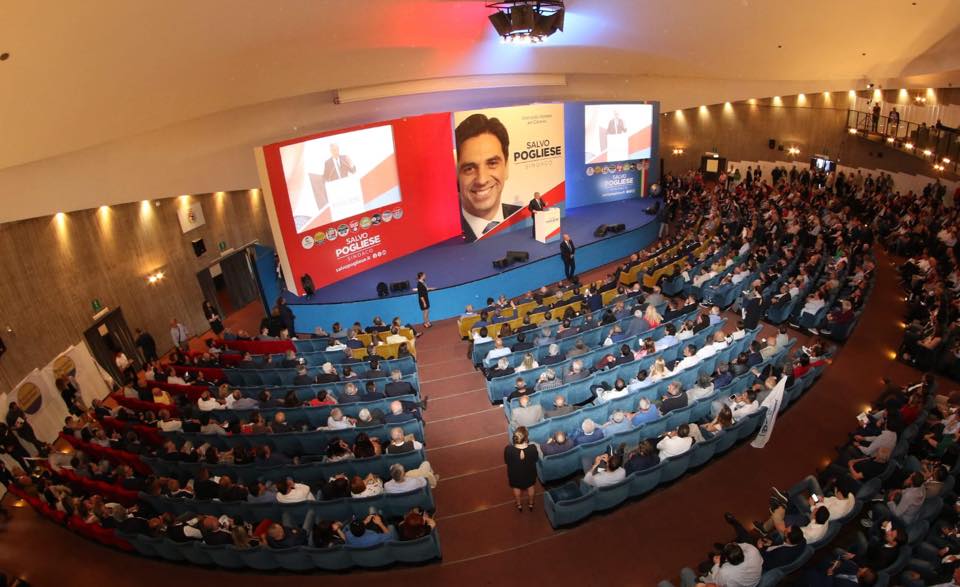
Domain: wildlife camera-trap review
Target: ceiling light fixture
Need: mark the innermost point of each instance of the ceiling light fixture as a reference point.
(4, 56)
(526, 22)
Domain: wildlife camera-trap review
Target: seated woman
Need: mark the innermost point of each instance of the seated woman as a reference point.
(368, 486)
(644, 457)
(416, 524)
(365, 447)
(291, 400)
(527, 363)
(648, 347)
(327, 534)
(723, 421)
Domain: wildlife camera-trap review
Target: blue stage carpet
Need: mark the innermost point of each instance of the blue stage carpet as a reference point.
(454, 262)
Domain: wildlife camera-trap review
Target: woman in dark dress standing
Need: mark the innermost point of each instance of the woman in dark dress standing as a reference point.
(521, 459)
(423, 297)
(216, 324)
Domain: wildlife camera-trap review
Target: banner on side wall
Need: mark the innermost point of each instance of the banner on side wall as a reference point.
(503, 157)
(41, 403)
(78, 362)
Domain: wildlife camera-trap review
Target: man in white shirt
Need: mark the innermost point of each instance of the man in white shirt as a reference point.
(869, 445)
(337, 421)
(742, 566)
(813, 305)
(689, 359)
(606, 471)
(498, 350)
(745, 404)
(676, 442)
(400, 483)
(206, 403)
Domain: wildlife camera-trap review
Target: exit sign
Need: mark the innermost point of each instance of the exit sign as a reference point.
(96, 305)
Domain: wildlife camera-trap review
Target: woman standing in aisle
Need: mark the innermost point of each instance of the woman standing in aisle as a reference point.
(423, 295)
(521, 459)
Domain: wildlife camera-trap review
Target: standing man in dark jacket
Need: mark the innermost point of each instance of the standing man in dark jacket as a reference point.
(567, 250)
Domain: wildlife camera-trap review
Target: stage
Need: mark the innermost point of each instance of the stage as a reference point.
(462, 273)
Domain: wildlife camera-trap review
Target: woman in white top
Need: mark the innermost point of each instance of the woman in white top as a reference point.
(527, 363)
(369, 486)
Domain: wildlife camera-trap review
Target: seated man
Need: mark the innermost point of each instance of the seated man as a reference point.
(646, 412)
(606, 470)
(526, 414)
(371, 531)
(498, 350)
(399, 481)
(675, 399)
(676, 442)
(589, 432)
(618, 422)
(554, 355)
(397, 386)
(560, 407)
(501, 369)
(401, 443)
(576, 372)
(558, 443)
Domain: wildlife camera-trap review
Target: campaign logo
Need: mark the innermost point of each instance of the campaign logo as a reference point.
(355, 225)
(387, 216)
(331, 234)
(319, 237)
(365, 222)
(376, 219)
(343, 230)
(307, 242)
(397, 213)
(589, 171)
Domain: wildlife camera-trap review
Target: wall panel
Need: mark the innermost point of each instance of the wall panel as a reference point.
(52, 267)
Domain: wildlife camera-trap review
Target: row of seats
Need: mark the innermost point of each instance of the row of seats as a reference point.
(301, 558)
(500, 387)
(304, 392)
(576, 501)
(246, 374)
(311, 473)
(311, 442)
(389, 505)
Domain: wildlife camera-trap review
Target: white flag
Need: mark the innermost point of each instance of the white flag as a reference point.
(772, 403)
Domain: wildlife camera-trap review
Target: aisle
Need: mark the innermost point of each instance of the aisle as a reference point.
(486, 541)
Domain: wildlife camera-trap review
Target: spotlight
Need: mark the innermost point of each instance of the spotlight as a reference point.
(526, 21)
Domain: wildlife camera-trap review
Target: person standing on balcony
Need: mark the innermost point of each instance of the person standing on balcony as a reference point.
(875, 117)
(893, 122)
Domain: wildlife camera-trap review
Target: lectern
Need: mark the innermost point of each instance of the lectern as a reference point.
(546, 225)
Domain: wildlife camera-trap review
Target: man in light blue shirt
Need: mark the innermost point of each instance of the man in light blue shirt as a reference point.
(359, 536)
(618, 423)
(646, 412)
(667, 340)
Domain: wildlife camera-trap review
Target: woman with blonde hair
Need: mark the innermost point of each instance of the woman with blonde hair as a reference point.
(527, 363)
(521, 460)
(659, 370)
(652, 317)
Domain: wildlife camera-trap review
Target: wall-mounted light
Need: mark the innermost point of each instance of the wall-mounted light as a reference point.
(678, 150)
(927, 152)
(155, 278)
(793, 151)
(890, 139)
(908, 146)
(946, 160)
(938, 167)
(852, 130)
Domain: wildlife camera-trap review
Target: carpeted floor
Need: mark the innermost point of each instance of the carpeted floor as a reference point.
(485, 540)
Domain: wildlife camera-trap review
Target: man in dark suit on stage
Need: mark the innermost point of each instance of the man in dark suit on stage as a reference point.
(616, 125)
(537, 204)
(483, 145)
(567, 250)
(337, 166)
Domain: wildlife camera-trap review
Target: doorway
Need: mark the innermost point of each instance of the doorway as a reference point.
(108, 336)
(231, 284)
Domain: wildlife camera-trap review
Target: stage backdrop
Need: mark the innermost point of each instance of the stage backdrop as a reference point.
(488, 178)
(612, 151)
(345, 201)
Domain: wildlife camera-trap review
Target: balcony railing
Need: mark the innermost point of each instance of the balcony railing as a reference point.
(938, 145)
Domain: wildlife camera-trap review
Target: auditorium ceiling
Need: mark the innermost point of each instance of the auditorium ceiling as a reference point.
(85, 73)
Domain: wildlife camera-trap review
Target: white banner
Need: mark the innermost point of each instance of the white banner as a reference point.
(89, 377)
(41, 403)
(772, 403)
